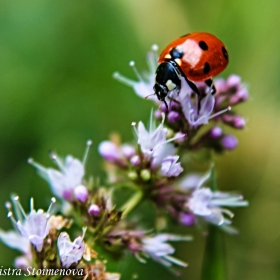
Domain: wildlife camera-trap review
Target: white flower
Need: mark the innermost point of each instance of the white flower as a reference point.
(34, 226)
(170, 167)
(157, 248)
(198, 116)
(15, 240)
(144, 86)
(69, 177)
(70, 252)
(153, 142)
(209, 205)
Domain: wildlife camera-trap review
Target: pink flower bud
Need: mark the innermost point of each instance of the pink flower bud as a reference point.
(94, 210)
(81, 193)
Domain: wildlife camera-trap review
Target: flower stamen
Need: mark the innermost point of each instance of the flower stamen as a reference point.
(220, 112)
(20, 213)
(89, 143)
(132, 65)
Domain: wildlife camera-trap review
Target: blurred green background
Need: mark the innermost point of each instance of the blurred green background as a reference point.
(56, 92)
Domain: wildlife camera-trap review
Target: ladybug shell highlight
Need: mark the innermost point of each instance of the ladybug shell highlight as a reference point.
(201, 55)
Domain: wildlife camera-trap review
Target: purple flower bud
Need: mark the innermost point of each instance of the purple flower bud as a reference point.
(234, 121)
(127, 150)
(81, 193)
(158, 115)
(239, 122)
(220, 85)
(229, 142)
(233, 81)
(180, 137)
(216, 132)
(109, 151)
(135, 160)
(173, 116)
(174, 105)
(22, 262)
(241, 96)
(187, 219)
(94, 210)
(67, 194)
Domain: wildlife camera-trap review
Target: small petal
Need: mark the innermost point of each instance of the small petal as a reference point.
(170, 167)
(15, 240)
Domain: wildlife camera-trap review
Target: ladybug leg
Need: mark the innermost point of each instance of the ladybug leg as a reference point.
(192, 86)
(173, 100)
(165, 104)
(210, 84)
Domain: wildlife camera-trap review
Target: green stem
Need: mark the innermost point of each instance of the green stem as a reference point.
(214, 262)
(132, 203)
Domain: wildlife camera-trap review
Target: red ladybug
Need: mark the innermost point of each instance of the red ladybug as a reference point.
(197, 57)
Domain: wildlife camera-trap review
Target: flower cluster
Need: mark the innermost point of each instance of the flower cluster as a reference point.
(39, 237)
(188, 114)
(154, 156)
(154, 167)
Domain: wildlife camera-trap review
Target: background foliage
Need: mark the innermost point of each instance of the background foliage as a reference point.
(56, 91)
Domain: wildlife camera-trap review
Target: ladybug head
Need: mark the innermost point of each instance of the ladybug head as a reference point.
(167, 80)
(161, 91)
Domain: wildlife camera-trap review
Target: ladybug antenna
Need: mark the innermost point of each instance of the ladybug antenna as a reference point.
(146, 97)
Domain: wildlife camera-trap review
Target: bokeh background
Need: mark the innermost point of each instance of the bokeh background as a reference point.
(57, 91)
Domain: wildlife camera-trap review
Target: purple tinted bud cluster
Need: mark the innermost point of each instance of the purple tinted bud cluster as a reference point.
(230, 92)
(217, 140)
(115, 154)
(155, 155)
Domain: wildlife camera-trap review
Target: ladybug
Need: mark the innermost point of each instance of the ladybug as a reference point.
(197, 57)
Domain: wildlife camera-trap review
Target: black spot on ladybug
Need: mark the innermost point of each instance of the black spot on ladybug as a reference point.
(225, 53)
(206, 68)
(175, 53)
(203, 45)
(185, 35)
